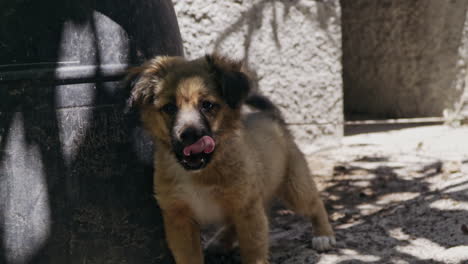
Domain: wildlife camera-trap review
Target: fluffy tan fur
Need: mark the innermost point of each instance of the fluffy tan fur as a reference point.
(255, 160)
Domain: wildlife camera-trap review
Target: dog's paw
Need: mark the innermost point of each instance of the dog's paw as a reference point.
(322, 243)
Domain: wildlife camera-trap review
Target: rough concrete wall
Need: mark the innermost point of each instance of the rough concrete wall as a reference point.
(294, 48)
(460, 112)
(401, 58)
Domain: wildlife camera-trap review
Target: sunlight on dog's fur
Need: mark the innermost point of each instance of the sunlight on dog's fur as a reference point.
(217, 164)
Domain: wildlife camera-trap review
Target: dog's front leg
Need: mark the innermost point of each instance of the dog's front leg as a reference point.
(183, 237)
(251, 225)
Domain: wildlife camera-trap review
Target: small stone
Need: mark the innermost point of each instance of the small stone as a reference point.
(464, 229)
(366, 193)
(452, 166)
(337, 216)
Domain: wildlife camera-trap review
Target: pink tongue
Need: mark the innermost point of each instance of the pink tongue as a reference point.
(205, 144)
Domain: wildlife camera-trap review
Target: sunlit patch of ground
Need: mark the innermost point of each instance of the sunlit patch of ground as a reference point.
(402, 196)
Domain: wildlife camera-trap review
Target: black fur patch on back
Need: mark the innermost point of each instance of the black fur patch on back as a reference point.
(264, 104)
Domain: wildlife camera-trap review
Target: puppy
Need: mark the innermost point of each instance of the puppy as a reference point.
(214, 164)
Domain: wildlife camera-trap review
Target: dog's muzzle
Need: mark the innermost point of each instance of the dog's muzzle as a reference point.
(194, 149)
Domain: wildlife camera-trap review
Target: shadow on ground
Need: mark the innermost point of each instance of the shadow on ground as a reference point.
(382, 212)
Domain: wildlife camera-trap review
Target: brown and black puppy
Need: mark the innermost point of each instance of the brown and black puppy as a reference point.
(216, 165)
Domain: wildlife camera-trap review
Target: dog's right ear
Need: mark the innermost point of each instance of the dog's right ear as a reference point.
(233, 85)
(144, 80)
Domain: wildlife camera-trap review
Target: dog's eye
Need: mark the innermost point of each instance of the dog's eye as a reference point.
(207, 105)
(169, 108)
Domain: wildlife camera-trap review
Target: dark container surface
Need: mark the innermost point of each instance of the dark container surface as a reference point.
(75, 170)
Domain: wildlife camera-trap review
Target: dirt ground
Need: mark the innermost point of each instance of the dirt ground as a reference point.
(393, 195)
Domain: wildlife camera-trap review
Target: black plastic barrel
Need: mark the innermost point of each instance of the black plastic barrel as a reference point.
(75, 170)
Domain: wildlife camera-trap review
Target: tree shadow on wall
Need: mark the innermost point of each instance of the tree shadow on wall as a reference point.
(253, 20)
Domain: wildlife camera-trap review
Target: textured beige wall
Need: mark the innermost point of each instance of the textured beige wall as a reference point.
(460, 111)
(403, 58)
(294, 47)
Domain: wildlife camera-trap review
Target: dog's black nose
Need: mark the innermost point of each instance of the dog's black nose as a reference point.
(190, 135)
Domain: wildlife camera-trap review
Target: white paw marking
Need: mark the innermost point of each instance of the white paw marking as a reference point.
(322, 243)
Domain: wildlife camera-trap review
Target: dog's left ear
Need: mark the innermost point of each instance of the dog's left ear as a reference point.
(232, 84)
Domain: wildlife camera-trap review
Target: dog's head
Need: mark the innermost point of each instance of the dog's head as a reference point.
(190, 106)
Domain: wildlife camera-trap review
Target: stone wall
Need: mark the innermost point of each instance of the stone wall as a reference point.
(460, 112)
(403, 58)
(293, 47)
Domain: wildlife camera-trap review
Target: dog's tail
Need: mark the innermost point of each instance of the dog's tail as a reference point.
(264, 104)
